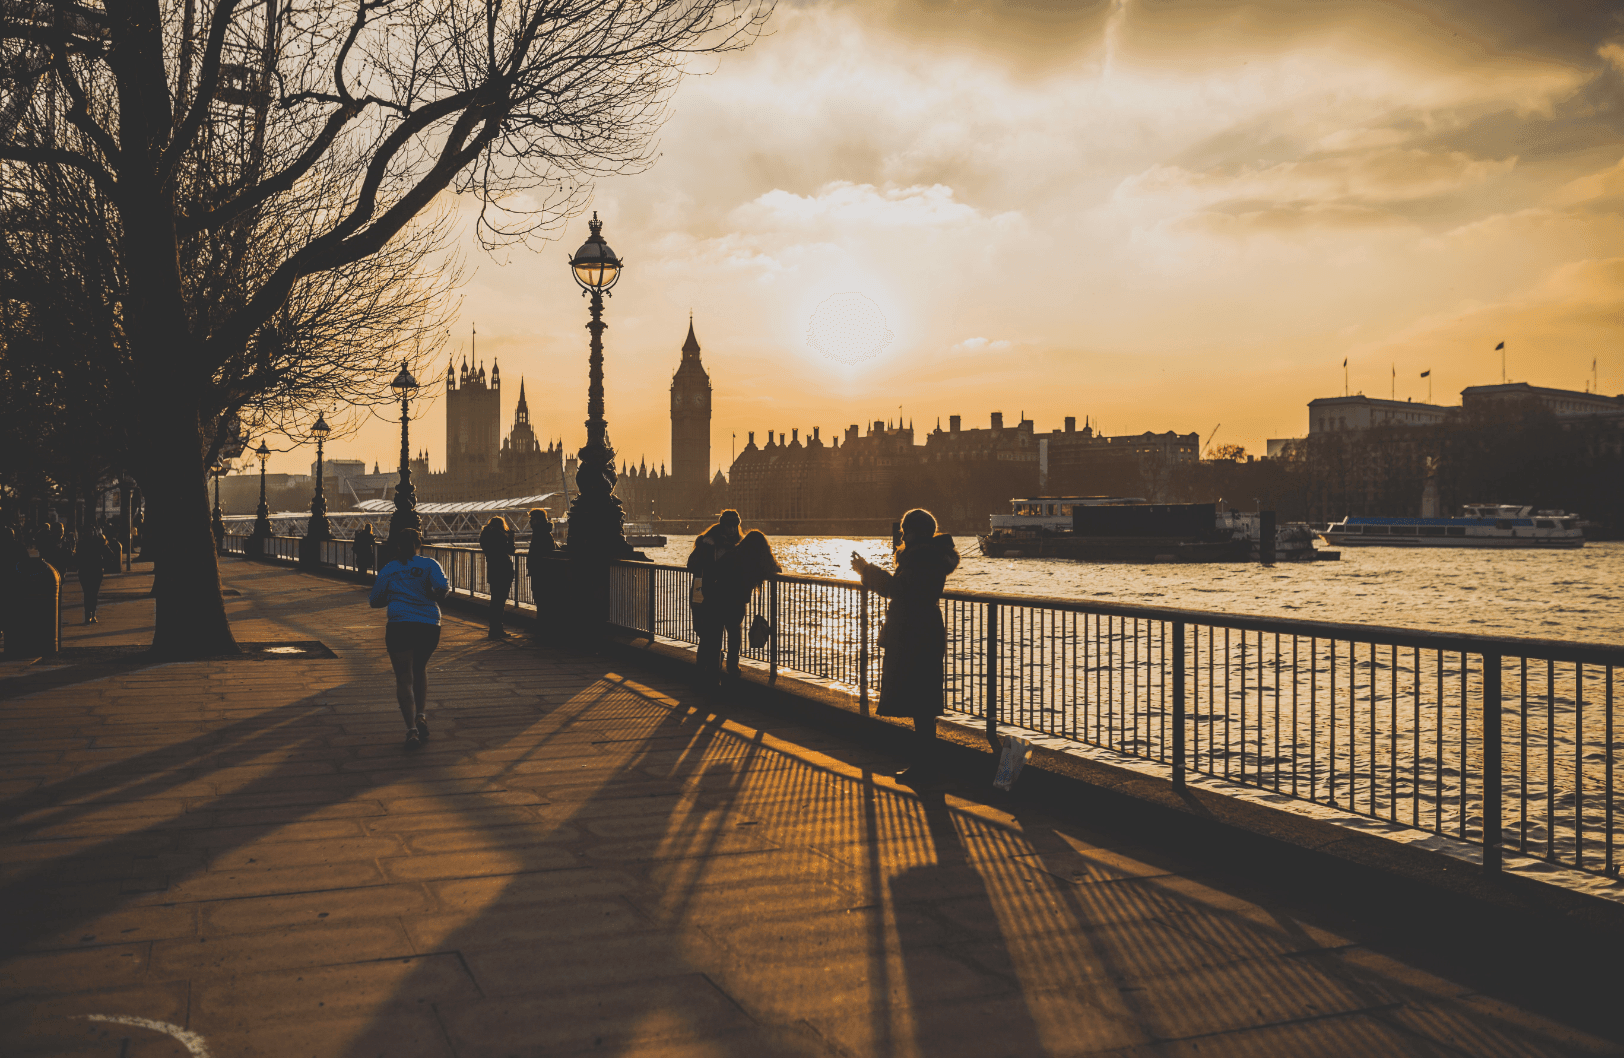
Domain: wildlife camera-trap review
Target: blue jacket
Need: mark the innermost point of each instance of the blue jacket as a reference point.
(410, 590)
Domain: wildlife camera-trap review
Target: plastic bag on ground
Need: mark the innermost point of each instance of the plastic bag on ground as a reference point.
(1011, 761)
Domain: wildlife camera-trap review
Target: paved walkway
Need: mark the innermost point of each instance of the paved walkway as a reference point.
(585, 860)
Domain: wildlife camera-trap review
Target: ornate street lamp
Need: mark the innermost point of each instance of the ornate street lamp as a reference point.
(320, 528)
(596, 517)
(262, 516)
(218, 470)
(405, 516)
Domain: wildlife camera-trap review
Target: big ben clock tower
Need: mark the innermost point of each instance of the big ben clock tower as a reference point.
(690, 429)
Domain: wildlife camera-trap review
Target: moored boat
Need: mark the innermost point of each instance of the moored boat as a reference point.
(1111, 529)
(1493, 525)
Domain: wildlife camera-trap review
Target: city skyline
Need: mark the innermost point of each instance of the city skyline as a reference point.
(1221, 208)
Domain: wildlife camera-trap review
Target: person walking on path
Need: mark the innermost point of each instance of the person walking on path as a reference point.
(365, 548)
(913, 637)
(411, 586)
(92, 558)
(538, 563)
(496, 540)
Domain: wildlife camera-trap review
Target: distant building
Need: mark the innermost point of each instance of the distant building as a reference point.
(1359, 412)
(690, 434)
(473, 422)
(961, 474)
(1564, 403)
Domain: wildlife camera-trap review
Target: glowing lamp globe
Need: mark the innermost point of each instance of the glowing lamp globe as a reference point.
(404, 384)
(595, 266)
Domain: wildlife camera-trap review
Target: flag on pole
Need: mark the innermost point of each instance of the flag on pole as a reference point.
(1426, 373)
(1499, 347)
(1344, 361)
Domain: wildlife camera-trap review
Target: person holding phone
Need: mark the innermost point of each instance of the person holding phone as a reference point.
(913, 637)
(411, 586)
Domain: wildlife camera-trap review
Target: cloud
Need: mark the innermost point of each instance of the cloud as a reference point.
(1381, 176)
(1286, 220)
(980, 345)
(1614, 54)
(1604, 184)
(845, 204)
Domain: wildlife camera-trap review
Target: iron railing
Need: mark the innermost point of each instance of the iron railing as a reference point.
(1460, 735)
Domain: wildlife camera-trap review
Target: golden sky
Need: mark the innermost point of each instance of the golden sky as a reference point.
(1161, 215)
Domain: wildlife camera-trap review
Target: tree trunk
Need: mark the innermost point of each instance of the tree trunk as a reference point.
(192, 619)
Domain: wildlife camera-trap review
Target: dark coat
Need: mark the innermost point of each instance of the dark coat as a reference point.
(366, 546)
(710, 549)
(734, 576)
(499, 550)
(913, 637)
(93, 556)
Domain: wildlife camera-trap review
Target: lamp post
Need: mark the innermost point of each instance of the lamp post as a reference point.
(320, 528)
(218, 470)
(262, 515)
(595, 524)
(405, 516)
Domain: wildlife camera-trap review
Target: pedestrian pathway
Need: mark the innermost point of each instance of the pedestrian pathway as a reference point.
(236, 858)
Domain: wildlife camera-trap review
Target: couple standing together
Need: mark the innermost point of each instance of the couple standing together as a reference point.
(729, 565)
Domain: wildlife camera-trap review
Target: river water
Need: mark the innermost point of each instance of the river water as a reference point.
(1577, 596)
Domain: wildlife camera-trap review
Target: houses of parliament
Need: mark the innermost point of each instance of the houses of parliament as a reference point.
(482, 465)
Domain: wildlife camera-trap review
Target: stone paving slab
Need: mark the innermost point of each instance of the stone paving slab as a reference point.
(589, 860)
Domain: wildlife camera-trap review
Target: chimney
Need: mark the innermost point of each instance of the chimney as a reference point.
(1071, 424)
(952, 424)
(997, 420)
(879, 427)
(795, 435)
(851, 433)
(814, 433)
(752, 442)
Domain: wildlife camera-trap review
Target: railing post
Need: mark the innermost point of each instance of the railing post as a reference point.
(653, 614)
(1178, 705)
(992, 675)
(1492, 778)
(862, 648)
(772, 641)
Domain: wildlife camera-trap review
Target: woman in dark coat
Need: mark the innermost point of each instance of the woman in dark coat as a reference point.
(93, 556)
(496, 540)
(538, 564)
(365, 548)
(913, 637)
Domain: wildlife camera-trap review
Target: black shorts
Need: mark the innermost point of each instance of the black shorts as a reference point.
(415, 636)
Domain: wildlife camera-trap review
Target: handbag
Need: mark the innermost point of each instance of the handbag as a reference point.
(760, 632)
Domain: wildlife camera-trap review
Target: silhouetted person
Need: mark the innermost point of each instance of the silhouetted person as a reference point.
(411, 586)
(496, 540)
(92, 558)
(365, 548)
(728, 566)
(538, 563)
(913, 637)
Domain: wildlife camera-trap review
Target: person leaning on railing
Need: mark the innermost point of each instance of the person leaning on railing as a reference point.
(538, 563)
(913, 637)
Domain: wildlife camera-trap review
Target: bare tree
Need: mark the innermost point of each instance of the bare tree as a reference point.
(195, 119)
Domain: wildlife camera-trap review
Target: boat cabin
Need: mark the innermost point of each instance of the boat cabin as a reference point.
(1051, 512)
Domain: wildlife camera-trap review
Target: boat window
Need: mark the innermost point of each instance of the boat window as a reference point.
(1567, 523)
(1380, 530)
(1502, 523)
(1431, 530)
(1544, 523)
(1066, 508)
(1454, 530)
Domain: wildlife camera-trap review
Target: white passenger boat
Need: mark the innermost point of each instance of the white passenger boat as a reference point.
(1482, 525)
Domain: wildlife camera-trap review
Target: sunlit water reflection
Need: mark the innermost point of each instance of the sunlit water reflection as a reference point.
(1568, 595)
